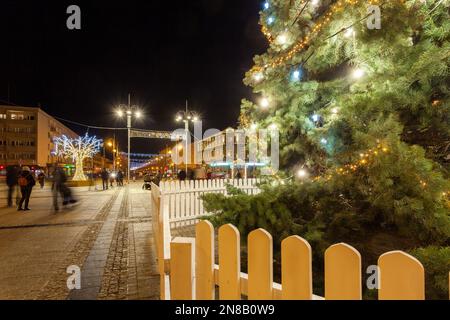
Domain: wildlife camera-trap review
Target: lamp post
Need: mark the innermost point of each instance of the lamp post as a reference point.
(129, 111)
(186, 116)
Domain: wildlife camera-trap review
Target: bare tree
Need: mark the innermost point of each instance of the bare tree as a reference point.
(78, 149)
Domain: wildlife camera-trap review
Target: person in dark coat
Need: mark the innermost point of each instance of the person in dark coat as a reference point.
(26, 184)
(12, 176)
(41, 179)
(105, 177)
(120, 178)
(182, 175)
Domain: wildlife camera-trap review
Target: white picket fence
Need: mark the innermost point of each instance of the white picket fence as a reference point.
(177, 203)
(182, 198)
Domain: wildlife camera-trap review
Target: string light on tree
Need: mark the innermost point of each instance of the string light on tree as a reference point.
(258, 76)
(273, 127)
(264, 103)
(297, 74)
(282, 39)
(270, 20)
(358, 73)
(315, 117)
(266, 5)
(302, 173)
(349, 32)
(324, 141)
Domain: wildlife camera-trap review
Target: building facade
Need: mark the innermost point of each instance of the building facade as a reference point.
(26, 136)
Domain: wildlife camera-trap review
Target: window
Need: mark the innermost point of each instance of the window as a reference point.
(3, 116)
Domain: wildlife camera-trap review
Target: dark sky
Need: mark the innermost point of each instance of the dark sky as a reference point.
(162, 52)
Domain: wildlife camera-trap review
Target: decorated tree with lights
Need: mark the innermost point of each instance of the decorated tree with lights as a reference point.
(78, 149)
(362, 106)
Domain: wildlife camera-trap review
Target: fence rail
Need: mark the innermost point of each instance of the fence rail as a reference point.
(188, 269)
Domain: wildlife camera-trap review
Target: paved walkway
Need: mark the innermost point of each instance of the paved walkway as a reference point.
(108, 235)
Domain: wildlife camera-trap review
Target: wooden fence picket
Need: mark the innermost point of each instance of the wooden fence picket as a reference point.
(182, 259)
(342, 273)
(204, 260)
(229, 263)
(260, 265)
(402, 277)
(296, 269)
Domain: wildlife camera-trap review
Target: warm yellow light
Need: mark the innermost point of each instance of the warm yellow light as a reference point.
(302, 173)
(264, 103)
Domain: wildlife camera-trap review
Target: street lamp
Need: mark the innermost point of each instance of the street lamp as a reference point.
(129, 111)
(186, 116)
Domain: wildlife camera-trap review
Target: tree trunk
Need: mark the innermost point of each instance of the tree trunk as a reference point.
(79, 174)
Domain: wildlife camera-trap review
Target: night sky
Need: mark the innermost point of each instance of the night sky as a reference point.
(162, 52)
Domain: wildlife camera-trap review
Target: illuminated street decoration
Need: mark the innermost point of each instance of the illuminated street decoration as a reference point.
(78, 149)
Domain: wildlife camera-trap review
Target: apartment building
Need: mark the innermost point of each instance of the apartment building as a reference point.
(26, 136)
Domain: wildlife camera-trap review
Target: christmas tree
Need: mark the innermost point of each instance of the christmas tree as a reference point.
(359, 91)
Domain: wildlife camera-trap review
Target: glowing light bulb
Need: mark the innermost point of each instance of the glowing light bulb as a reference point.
(264, 103)
(266, 5)
(315, 2)
(258, 76)
(270, 20)
(282, 38)
(254, 126)
(315, 117)
(349, 32)
(138, 114)
(302, 173)
(358, 73)
(195, 119)
(273, 126)
(324, 141)
(335, 110)
(119, 113)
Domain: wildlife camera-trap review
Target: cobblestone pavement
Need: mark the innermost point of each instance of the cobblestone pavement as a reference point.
(108, 235)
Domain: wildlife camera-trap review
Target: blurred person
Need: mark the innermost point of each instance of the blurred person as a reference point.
(59, 187)
(182, 175)
(12, 177)
(105, 176)
(120, 178)
(26, 183)
(41, 179)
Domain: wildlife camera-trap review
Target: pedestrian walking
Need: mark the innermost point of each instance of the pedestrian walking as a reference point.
(12, 176)
(26, 184)
(59, 187)
(105, 176)
(120, 178)
(41, 179)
